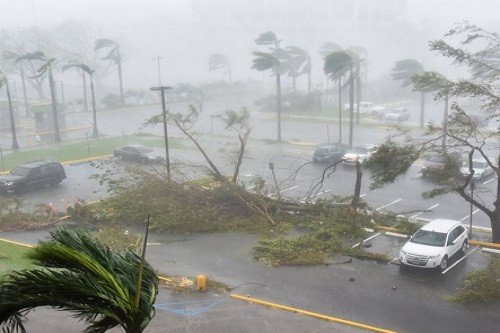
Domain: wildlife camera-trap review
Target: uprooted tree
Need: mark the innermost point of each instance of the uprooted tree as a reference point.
(459, 132)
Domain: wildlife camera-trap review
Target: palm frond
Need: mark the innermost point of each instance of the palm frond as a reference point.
(266, 38)
(264, 61)
(80, 66)
(104, 43)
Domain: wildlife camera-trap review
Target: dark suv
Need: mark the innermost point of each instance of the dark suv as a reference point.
(328, 153)
(26, 177)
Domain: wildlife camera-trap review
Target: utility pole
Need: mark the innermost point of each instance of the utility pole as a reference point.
(164, 112)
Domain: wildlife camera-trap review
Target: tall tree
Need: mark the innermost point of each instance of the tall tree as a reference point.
(46, 69)
(5, 81)
(324, 51)
(271, 61)
(86, 278)
(220, 61)
(337, 64)
(362, 53)
(116, 56)
(479, 52)
(12, 56)
(403, 71)
(86, 69)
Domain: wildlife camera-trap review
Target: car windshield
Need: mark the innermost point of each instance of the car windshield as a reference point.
(359, 151)
(20, 171)
(431, 238)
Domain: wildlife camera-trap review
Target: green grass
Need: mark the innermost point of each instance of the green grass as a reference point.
(12, 257)
(75, 150)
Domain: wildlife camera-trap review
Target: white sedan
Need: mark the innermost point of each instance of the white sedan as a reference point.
(359, 153)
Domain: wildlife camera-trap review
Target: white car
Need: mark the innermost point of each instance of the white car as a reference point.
(359, 153)
(398, 114)
(434, 244)
(367, 108)
(481, 169)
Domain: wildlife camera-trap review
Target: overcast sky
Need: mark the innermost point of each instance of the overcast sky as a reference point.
(168, 28)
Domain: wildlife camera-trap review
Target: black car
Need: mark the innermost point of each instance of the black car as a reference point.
(137, 153)
(328, 153)
(31, 175)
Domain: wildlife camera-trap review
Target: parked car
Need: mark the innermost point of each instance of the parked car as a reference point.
(481, 169)
(328, 153)
(439, 162)
(31, 175)
(434, 244)
(397, 114)
(137, 153)
(361, 153)
(367, 108)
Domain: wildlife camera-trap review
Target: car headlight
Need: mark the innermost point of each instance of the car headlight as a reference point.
(433, 257)
(9, 183)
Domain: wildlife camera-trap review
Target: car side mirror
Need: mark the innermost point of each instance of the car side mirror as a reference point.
(451, 242)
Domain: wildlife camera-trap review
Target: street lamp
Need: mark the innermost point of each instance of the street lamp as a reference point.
(159, 69)
(164, 111)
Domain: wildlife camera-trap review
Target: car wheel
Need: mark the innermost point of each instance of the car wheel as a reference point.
(54, 182)
(444, 263)
(464, 247)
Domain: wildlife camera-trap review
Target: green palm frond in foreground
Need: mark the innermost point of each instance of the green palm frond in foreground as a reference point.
(80, 275)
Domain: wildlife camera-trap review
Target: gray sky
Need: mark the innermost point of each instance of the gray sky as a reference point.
(173, 29)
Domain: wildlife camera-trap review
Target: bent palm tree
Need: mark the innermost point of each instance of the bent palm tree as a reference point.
(301, 64)
(403, 71)
(432, 81)
(46, 67)
(86, 278)
(86, 69)
(12, 56)
(337, 64)
(5, 81)
(220, 61)
(116, 56)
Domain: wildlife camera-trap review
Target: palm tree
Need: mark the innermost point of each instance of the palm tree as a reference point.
(12, 56)
(77, 274)
(300, 63)
(220, 61)
(273, 60)
(435, 82)
(337, 64)
(46, 67)
(404, 70)
(324, 51)
(86, 69)
(116, 56)
(5, 81)
(362, 54)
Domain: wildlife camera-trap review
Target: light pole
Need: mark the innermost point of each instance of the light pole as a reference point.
(164, 111)
(157, 58)
(472, 187)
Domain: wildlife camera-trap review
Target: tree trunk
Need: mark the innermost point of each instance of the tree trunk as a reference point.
(15, 144)
(120, 78)
(95, 132)
(351, 107)
(422, 108)
(55, 115)
(358, 96)
(340, 109)
(278, 103)
(445, 124)
(23, 81)
(85, 99)
(495, 217)
(357, 187)
(309, 82)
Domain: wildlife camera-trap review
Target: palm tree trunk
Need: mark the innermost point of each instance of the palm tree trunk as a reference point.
(15, 144)
(95, 132)
(278, 103)
(422, 107)
(351, 107)
(340, 109)
(309, 82)
(120, 78)
(85, 98)
(358, 96)
(357, 187)
(23, 82)
(55, 115)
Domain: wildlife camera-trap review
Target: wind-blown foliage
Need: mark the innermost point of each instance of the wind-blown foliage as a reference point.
(220, 61)
(114, 55)
(84, 277)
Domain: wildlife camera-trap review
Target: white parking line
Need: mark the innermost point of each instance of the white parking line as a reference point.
(395, 234)
(431, 207)
(468, 216)
(391, 203)
(290, 188)
(489, 181)
(362, 195)
(366, 240)
(461, 259)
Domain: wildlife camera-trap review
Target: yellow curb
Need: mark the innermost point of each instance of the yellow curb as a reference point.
(15, 243)
(87, 159)
(309, 313)
(380, 227)
(299, 143)
(484, 244)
